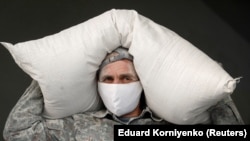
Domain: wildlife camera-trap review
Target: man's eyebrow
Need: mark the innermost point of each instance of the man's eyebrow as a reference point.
(105, 76)
(128, 75)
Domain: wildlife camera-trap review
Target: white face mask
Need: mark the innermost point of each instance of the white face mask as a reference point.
(120, 99)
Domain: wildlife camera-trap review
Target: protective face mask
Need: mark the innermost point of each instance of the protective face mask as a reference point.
(120, 99)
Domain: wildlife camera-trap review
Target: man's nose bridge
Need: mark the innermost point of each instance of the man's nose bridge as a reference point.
(117, 80)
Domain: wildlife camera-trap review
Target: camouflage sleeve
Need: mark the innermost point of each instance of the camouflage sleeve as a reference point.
(25, 121)
(225, 113)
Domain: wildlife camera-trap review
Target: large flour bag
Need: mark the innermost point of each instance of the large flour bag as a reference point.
(180, 81)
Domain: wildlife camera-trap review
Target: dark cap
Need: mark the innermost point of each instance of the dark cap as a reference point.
(119, 53)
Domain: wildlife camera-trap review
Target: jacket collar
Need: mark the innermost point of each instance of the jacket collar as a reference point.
(105, 113)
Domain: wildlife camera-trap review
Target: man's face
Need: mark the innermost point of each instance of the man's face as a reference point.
(118, 72)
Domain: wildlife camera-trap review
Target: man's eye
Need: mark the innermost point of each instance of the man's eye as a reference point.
(127, 78)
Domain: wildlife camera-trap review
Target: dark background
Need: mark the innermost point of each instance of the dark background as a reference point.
(220, 28)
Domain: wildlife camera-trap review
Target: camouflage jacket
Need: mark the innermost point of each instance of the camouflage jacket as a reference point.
(25, 122)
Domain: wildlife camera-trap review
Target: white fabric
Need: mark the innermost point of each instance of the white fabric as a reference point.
(180, 81)
(120, 99)
(64, 64)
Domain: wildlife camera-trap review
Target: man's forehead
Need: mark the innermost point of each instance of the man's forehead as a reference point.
(118, 67)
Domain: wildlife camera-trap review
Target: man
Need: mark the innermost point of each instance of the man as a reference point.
(119, 86)
(122, 94)
(121, 90)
